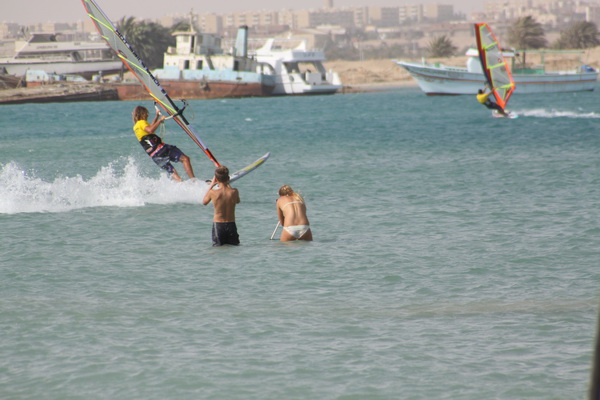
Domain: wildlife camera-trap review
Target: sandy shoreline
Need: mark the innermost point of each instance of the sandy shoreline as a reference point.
(370, 74)
(377, 87)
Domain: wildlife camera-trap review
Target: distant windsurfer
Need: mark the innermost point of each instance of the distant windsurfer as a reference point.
(484, 98)
(162, 154)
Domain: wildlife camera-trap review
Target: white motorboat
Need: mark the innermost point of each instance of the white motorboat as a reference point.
(298, 71)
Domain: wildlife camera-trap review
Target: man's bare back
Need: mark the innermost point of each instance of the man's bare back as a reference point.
(224, 199)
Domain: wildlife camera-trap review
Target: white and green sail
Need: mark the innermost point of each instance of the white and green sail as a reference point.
(135, 64)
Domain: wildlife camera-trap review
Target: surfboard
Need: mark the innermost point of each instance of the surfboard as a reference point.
(511, 115)
(249, 168)
(118, 43)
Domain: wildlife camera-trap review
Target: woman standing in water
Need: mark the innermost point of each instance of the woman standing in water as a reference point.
(291, 211)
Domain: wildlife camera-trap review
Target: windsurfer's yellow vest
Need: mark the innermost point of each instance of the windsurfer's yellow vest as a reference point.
(149, 141)
(482, 97)
(139, 129)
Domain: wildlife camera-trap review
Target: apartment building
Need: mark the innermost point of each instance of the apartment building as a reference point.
(252, 19)
(209, 23)
(551, 13)
(384, 16)
(438, 12)
(554, 14)
(410, 13)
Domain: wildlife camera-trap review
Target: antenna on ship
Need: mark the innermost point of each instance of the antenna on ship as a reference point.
(192, 27)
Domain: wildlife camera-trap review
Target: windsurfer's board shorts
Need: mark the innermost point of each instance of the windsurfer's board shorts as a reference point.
(165, 155)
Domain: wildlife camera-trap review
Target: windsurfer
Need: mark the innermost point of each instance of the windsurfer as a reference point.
(484, 98)
(162, 154)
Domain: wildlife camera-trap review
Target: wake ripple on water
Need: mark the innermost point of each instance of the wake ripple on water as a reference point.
(112, 186)
(554, 113)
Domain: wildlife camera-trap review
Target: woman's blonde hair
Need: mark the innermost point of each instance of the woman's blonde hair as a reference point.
(286, 190)
(140, 113)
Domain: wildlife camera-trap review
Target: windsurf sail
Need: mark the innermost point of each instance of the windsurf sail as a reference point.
(135, 64)
(495, 68)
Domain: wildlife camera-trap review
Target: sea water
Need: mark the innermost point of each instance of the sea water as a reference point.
(456, 256)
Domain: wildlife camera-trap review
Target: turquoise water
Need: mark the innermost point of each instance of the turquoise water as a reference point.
(455, 255)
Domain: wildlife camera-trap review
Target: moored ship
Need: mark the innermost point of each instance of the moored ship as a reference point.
(440, 79)
(198, 68)
(45, 52)
(298, 70)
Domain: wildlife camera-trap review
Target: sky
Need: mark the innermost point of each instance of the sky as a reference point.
(33, 11)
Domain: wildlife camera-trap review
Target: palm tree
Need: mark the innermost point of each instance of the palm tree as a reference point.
(441, 46)
(149, 40)
(133, 33)
(181, 26)
(128, 28)
(157, 40)
(526, 33)
(580, 35)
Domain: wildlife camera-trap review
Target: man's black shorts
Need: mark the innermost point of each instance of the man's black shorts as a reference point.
(225, 233)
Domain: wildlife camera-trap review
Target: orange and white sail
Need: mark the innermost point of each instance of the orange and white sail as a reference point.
(495, 67)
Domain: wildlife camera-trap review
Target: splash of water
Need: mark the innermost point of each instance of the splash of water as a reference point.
(23, 192)
(543, 113)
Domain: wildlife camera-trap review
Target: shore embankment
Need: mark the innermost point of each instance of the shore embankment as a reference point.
(58, 92)
(356, 76)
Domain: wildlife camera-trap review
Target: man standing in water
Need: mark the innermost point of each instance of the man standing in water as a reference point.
(224, 198)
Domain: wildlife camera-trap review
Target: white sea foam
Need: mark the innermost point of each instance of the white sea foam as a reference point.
(554, 113)
(112, 186)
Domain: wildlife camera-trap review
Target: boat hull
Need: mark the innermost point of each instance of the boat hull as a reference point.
(288, 85)
(455, 81)
(195, 89)
(58, 93)
(85, 69)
